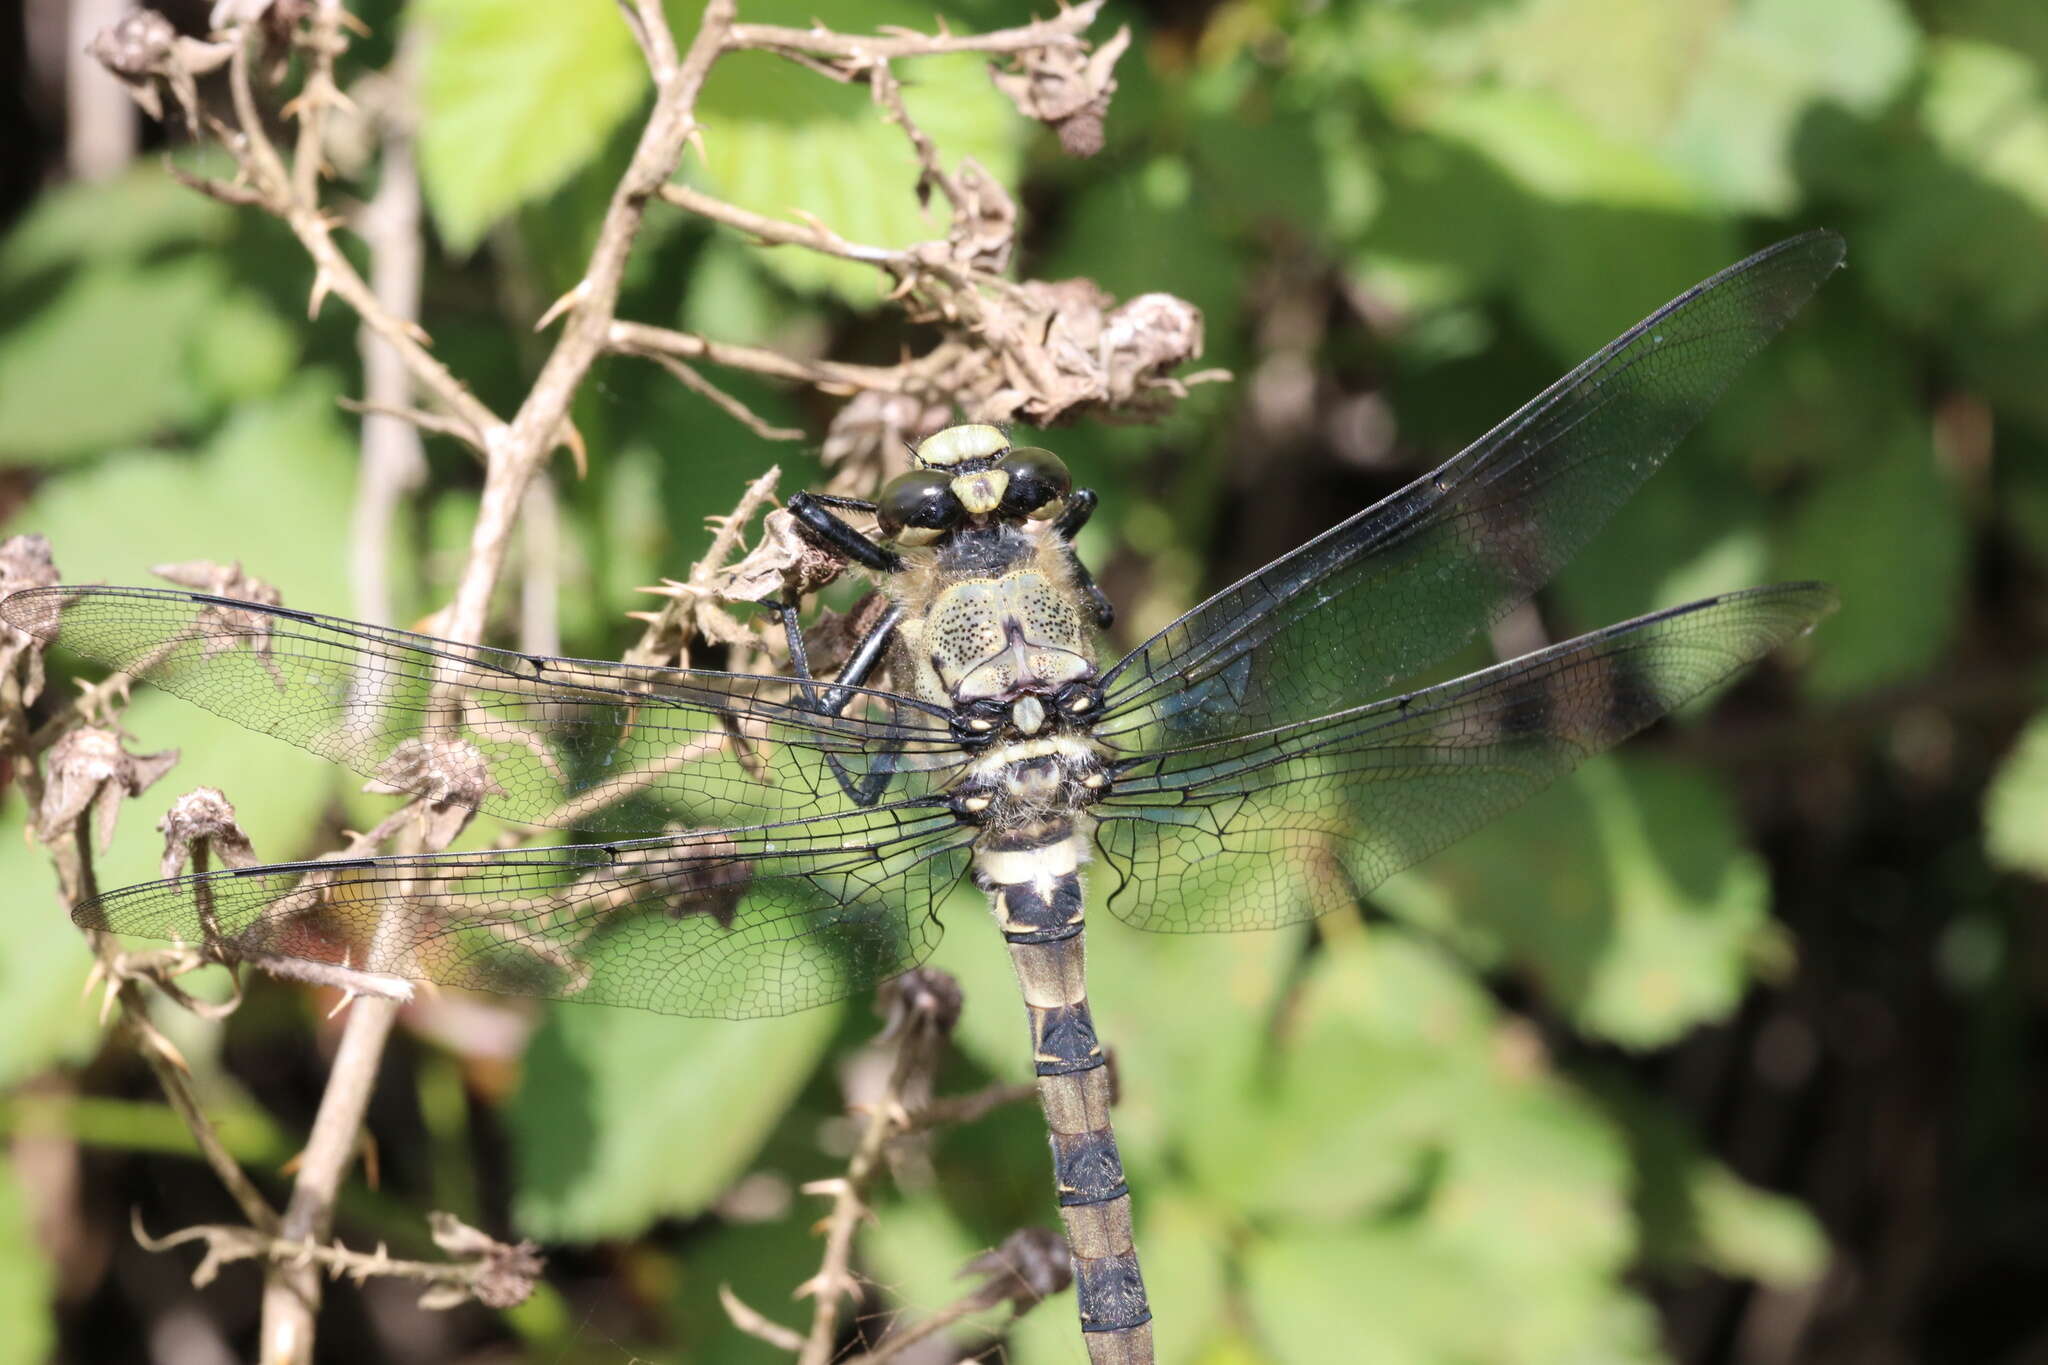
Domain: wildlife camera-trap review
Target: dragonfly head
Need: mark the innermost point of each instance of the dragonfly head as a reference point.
(968, 474)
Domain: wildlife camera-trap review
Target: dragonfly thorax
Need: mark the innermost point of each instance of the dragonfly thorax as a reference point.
(996, 632)
(1030, 784)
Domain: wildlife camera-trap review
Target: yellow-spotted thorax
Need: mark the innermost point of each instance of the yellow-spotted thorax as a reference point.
(994, 627)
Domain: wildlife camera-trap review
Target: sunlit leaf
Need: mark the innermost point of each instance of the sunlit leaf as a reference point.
(138, 212)
(514, 96)
(2016, 804)
(1737, 128)
(1986, 108)
(781, 141)
(1388, 1296)
(1625, 891)
(1695, 1212)
(107, 361)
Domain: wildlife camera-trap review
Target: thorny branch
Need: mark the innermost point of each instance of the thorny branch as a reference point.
(920, 1009)
(1033, 350)
(496, 1274)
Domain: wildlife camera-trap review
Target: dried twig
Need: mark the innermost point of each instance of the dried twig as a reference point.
(393, 460)
(1029, 1267)
(498, 1274)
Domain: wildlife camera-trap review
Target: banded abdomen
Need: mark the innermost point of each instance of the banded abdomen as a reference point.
(1032, 874)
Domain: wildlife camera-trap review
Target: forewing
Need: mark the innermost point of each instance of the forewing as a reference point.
(1268, 829)
(1408, 580)
(569, 743)
(728, 923)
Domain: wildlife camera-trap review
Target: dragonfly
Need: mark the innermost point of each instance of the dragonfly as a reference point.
(758, 844)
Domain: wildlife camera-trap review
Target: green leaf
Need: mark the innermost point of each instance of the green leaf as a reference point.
(28, 1282)
(780, 139)
(1351, 1113)
(1765, 68)
(1985, 108)
(1625, 891)
(1387, 1296)
(514, 97)
(1696, 1213)
(1553, 154)
(919, 1249)
(245, 352)
(127, 218)
(256, 494)
(1891, 536)
(622, 1117)
(252, 496)
(43, 1019)
(1748, 1232)
(107, 361)
(2016, 804)
(761, 1262)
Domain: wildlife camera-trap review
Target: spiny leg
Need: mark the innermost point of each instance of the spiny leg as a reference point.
(813, 513)
(832, 700)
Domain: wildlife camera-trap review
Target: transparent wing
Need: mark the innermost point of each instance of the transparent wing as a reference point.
(1268, 829)
(1410, 579)
(731, 923)
(568, 743)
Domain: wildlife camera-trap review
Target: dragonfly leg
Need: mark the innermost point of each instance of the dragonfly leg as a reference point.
(813, 513)
(832, 699)
(1081, 506)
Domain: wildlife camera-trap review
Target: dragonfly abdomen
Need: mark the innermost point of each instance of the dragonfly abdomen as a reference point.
(1033, 878)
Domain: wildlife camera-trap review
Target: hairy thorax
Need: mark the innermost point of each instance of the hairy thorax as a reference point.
(993, 615)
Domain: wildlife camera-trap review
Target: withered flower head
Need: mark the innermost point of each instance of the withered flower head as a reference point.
(219, 628)
(782, 563)
(919, 1010)
(922, 1000)
(1030, 1265)
(202, 821)
(144, 51)
(505, 1273)
(451, 778)
(1064, 347)
(703, 876)
(871, 433)
(86, 769)
(25, 562)
(1067, 88)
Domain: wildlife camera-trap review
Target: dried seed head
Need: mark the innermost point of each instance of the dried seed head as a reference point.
(135, 46)
(1067, 88)
(87, 769)
(1066, 345)
(145, 52)
(219, 628)
(450, 778)
(870, 433)
(505, 1272)
(25, 562)
(202, 821)
(1030, 1265)
(923, 1000)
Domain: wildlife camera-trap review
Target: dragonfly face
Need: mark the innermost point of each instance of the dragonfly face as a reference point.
(773, 843)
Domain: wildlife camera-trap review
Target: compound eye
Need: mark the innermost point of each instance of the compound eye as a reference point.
(921, 500)
(1038, 480)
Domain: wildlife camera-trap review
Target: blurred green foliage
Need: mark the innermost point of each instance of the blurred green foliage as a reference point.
(1334, 1135)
